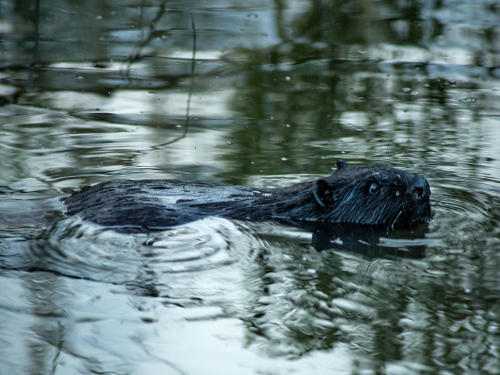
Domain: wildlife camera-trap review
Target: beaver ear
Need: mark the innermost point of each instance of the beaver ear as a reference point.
(341, 164)
(322, 193)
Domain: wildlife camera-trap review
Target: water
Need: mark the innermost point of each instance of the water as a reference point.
(263, 94)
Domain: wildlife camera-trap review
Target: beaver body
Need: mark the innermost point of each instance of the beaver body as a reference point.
(372, 195)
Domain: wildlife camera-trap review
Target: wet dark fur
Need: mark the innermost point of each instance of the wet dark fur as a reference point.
(373, 195)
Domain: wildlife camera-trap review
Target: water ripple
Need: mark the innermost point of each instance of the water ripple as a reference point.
(81, 250)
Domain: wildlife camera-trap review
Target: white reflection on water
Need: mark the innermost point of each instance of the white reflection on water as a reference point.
(161, 103)
(164, 289)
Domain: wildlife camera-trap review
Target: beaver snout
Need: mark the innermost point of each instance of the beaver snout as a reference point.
(419, 189)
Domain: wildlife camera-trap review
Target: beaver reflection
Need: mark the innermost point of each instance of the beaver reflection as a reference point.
(370, 241)
(376, 195)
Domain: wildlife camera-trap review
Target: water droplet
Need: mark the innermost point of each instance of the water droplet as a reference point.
(469, 99)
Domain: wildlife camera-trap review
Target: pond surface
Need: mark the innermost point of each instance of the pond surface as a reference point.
(256, 93)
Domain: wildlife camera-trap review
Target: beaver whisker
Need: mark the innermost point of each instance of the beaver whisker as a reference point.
(393, 224)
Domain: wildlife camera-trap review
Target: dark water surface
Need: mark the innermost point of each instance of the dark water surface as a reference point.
(258, 93)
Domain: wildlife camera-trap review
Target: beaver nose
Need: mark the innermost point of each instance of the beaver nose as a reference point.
(420, 188)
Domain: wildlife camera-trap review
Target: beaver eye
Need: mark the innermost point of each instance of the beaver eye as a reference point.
(373, 188)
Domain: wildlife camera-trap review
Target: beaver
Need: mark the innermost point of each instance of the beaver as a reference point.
(367, 195)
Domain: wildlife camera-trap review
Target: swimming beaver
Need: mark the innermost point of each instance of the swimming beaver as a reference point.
(374, 195)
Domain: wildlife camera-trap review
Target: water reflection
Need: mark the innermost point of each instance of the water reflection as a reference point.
(273, 93)
(386, 86)
(394, 312)
(373, 242)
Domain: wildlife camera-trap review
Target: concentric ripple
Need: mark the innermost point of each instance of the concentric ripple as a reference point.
(83, 250)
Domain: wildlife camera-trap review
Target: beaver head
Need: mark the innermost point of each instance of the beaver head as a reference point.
(376, 194)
